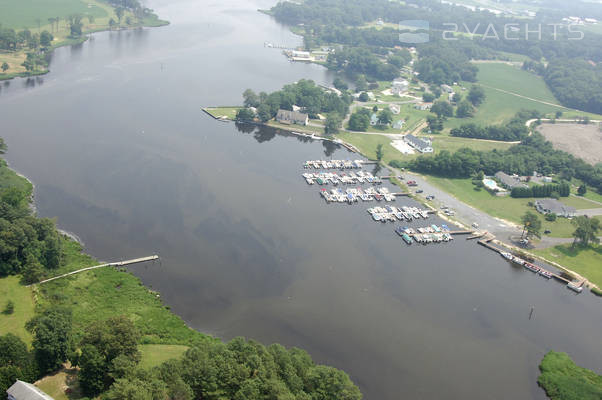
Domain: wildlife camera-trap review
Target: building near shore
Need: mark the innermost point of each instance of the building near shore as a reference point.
(292, 117)
(553, 206)
(422, 145)
(26, 391)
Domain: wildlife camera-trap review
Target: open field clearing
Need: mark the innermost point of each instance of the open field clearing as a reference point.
(583, 141)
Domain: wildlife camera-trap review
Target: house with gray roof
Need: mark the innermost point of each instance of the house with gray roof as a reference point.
(292, 117)
(422, 145)
(553, 206)
(509, 182)
(26, 391)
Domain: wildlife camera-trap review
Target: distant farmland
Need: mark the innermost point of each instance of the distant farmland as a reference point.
(583, 141)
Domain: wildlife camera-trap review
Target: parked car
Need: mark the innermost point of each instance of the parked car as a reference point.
(475, 225)
(547, 231)
(419, 191)
(430, 197)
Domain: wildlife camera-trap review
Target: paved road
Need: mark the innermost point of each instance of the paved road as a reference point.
(463, 212)
(590, 212)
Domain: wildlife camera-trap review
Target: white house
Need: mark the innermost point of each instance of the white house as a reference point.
(447, 88)
(26, 391)
(399, 86)
(422, 145)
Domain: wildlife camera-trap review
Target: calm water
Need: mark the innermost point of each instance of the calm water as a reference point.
(120, 153)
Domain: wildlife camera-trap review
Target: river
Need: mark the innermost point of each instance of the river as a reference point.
(121, 154)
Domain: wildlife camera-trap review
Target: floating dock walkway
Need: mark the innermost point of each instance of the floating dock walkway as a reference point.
(113, 264)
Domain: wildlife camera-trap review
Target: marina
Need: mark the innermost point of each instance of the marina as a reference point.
(354, 195)
(336, 164)
(351, 178)
(389, 213)
(425, 235)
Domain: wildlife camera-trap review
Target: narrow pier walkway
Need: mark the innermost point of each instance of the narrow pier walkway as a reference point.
(113, 264)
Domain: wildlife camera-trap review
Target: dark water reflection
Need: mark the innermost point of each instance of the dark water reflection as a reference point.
(121, 154)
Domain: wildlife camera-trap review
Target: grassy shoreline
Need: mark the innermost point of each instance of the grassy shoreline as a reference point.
(62, 38)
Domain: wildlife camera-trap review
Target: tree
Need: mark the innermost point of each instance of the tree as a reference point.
(91, 19)
(364, 97)
(250, 98)
(75, 25)
(9, 308)
(443, 109)
(111, 23)
(16, 362)
(582, 190)
(531, 224)
(245, 114)
(5, 67)
(586, 230)
(428, 97)
(119, 11)
(465, 109)
(379, 152)
(264, 112)
(46, 39)
(385, 117)
(434, 123)
(359, 121)
(113, 337)
(333, 122)
(52, 337)
(476, 95)
(92, 371)
(360, 83)
(340, 84)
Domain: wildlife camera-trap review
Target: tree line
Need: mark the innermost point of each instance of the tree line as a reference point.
(534, 153)
(305, 94)
(547, 190)
(513, 130)
(107, 356)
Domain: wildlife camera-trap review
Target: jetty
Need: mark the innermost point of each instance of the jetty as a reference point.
(112, 264)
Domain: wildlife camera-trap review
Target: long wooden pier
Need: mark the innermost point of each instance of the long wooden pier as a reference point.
(112, 264)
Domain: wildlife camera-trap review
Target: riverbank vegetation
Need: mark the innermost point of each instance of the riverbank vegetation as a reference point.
(118, 333)
(562, 379)
(30, 30)
(583, 260)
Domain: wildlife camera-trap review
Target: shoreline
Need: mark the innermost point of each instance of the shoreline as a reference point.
(82, 39)
(316, 136)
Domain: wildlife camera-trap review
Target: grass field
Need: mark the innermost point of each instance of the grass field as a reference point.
(499, 106)
(156, 354)
(22, 297)
(8, 178)
(106, 292)
(19, 14)
(228, 112)
(584, 261)
(580, 203)
(56, 385)
(563, 380)
(506, 208)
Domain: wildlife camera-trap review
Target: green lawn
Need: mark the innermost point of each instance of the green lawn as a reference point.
(156, 354)
(228, 112)
(506, 207)
(367, 145)
(8, 178)
(19, 14)
(107, 292)
(562, 379)
(580, 203)
(586, 262)
(54, 385)
(22, 297)
(499, 106)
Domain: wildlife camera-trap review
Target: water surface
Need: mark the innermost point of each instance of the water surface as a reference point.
(120, 153)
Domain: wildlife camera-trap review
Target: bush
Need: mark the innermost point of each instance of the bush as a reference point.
(551, 217)
(10, 308)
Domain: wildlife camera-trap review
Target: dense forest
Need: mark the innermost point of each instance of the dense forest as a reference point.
(534, 153)
(108, 357)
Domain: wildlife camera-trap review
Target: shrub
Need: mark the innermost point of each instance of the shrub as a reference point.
(551, 217)
(10, 307)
